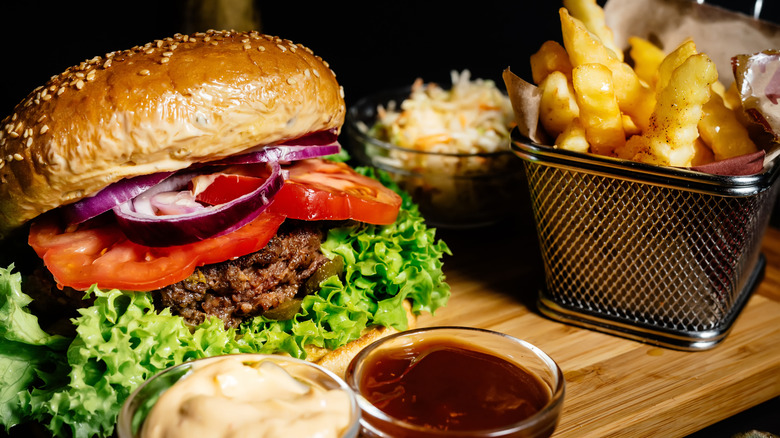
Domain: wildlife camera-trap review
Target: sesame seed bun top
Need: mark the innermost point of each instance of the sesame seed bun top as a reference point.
(158, 107)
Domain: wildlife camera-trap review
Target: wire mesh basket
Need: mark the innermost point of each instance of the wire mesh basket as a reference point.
(661, 255)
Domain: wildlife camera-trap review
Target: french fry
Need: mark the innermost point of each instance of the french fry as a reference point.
(647, 58)
(732, 98)
(634, 98)
(592, 16)
(557, 106)
(599, 111)
(702, 154)
(573, 138)
(719, 89)
(629, 126)
(673, 60)
(673, 130)
(550, 57)
(722, 132)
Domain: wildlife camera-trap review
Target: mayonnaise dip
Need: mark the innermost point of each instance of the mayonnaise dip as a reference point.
(233, 397)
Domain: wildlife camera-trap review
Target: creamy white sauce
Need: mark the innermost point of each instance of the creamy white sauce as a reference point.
(228, 398)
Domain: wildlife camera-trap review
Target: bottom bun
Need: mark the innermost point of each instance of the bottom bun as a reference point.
(337, 360)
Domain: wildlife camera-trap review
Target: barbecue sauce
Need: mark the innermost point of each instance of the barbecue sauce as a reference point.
(449, 385)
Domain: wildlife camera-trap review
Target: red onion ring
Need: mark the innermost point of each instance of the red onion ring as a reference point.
(111, 196)
(311, 146)
(142, 226)
(284, 152)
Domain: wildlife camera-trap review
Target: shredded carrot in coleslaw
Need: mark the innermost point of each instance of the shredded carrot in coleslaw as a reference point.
(473, 116)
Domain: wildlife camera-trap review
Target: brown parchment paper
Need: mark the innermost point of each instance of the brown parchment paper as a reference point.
(719, 33)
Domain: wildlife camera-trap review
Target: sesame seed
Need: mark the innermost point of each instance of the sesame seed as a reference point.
(144, 72)
(79, 84)
(206, 38)
(80, 75)
(291, 81)
(44, 129)
(166, 54)
(247, 46)
(46, 97)
(18, 156)
(245, 40)
(2, 163)
(214, 43)
(316, 73)
(60, 91)
(13, 117)
(9, 157)
(149, 52)
(164, 60)
(13, 134)
(261, 48)
(91, 75)
(28, 144)
(107, 64)
(41, 118)
(185, 37)
(180, 153)
(281, 47)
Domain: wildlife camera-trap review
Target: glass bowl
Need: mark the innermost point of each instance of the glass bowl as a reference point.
(136, 408)
(443, 393)
(452, 190)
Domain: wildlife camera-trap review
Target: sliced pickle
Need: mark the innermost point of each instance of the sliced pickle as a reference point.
(284, 311)
(327, 270)
(288, 309)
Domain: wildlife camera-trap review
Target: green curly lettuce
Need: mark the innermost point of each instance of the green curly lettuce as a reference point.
(75, 387)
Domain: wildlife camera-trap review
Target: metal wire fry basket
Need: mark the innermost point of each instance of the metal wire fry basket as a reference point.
(661, 255)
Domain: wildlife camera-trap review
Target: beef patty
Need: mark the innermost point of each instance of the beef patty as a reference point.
(236, 290)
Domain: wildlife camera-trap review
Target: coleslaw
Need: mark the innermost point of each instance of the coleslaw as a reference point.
(449, 148)
(473, 116)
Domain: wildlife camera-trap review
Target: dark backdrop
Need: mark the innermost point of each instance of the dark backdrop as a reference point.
(370, 45)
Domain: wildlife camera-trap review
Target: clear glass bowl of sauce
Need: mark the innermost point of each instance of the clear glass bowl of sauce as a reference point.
(269, 395)
(456, 382)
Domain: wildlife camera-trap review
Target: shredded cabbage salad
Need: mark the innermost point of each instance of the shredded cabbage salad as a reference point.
(473, 116)
(75, 387)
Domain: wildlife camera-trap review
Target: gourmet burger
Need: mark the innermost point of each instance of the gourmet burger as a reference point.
(183, 196)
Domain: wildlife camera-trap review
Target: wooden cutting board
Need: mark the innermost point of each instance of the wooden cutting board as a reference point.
(615, 387)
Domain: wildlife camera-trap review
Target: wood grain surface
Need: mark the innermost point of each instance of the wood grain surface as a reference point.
(615, 387)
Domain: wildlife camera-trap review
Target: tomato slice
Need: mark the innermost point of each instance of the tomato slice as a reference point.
(98, 252)
(223, 187)
(324, 190)
(315, 189)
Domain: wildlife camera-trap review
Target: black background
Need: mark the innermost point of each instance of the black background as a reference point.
(370, 45)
